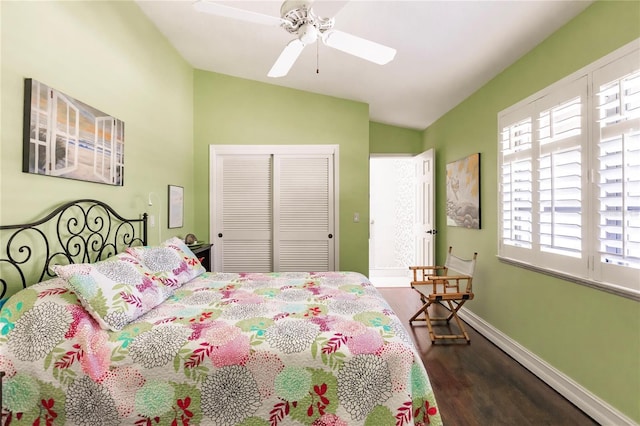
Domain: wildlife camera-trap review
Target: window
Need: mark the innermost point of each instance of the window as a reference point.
(569, 176)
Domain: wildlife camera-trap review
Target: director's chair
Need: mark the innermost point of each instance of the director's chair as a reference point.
(450, 283)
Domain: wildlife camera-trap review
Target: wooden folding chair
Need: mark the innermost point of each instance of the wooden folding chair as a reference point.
(450, 283)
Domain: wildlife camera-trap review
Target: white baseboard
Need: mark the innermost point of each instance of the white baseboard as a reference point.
(595, 407)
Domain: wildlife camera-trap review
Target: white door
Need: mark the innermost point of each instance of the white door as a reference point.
(273, 208)
(425, 208)
(303, 207)
(242, 213)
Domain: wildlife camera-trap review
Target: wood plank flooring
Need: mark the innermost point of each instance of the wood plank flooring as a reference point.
(479, 384)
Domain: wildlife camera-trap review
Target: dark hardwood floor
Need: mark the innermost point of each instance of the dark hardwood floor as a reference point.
(479, 384)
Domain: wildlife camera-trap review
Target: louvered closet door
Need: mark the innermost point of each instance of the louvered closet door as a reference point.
(273, 208)
(244, 213)
(303, 213)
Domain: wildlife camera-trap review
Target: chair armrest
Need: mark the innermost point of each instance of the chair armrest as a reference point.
(448, 277)
(433, 268)
(451, 281)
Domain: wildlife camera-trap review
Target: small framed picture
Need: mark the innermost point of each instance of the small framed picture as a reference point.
(176, 206)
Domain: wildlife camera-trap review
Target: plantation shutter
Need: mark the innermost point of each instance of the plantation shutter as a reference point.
(517, 184)
(617, 172)
(244, 213)
(569, 176)
(303, 219)
(560, 165)
(541, 178)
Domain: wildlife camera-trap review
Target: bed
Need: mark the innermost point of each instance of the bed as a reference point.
(117, 332)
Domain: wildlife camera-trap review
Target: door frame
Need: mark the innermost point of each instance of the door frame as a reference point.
(393, 271)
(424, 217)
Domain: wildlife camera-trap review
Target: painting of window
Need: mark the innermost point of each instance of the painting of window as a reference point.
(67, 138)
(463, 192)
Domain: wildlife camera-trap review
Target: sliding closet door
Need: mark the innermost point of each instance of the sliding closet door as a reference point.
(273, 208)
(303, 207)
(243, 213)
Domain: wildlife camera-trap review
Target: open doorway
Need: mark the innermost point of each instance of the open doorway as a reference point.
(392, 209)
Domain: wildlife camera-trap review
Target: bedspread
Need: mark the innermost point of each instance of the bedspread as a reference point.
(224, 349)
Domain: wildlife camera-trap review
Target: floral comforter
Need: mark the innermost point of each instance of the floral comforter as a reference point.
(224, 349)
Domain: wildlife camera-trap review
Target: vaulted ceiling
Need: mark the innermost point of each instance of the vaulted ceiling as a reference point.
(446, 50)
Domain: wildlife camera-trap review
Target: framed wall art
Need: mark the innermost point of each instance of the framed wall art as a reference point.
(463, 192)
(176, 206)
(67, 138)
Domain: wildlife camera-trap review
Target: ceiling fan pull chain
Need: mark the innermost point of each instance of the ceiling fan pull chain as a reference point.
(317, 58)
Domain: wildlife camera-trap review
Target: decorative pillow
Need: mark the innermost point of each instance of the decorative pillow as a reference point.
(172, 262)
(114, 291)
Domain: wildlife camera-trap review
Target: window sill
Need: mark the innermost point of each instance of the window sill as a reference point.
(609, 288)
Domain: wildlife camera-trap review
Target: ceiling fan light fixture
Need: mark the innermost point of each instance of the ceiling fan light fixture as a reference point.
(308, 34)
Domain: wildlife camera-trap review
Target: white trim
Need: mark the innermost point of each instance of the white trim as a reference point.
(275, 149)
(336, 203)
(592, 405)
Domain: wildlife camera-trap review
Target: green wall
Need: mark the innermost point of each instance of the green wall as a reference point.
(387, 139)
(108, 55)
(591, 336)
(230, 110)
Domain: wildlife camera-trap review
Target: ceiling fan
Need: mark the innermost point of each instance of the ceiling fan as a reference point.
(298, 18)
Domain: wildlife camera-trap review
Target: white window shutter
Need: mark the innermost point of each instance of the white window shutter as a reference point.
(617, 171)
(569, 176)
(560, 173)
(516, 183)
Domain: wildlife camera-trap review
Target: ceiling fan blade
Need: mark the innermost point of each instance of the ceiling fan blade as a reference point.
(286, 59)
(360, 47)
(235, 13)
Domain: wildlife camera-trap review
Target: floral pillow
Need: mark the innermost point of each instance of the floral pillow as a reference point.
(172, 262)
(115, 291)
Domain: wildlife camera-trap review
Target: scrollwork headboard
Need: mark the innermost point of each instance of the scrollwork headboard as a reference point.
(81, 231)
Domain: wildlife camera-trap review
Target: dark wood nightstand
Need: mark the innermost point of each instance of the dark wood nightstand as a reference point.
(203, 252)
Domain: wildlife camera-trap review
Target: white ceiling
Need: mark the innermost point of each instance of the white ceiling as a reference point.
(446, 50)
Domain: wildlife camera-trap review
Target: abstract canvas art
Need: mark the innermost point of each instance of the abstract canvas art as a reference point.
(463, 192)
(67, 138)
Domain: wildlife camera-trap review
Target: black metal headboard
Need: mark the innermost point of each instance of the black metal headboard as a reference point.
(82, 231)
